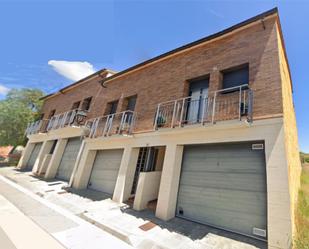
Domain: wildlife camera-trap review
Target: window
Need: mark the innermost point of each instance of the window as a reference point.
(111, 107)
(235, 77)
(86, 104)
(129, 103)
(51, 114)
(75, 105)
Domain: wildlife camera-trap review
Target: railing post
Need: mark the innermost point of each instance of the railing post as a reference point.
(121, 122)
(39, 126)
(132, 123)
(240, 88)
(250, 107)
(49, 124)
(174, 113)
(92, 127)
(110, 124)
(72, 116)
(214, 108)
(55, 122)
(181, 112)
(96, 124)
(203, 110)
(64, 119)
(156, 118)
(244, 101)
(105, 126)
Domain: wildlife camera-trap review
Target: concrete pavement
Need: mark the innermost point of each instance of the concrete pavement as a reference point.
(20, 232)
(36, 220)
(5, 240)
(124, 223)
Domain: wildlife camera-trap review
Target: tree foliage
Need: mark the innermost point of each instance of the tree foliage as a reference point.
(20, 107)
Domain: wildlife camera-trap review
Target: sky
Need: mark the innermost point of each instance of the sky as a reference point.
(49, 44)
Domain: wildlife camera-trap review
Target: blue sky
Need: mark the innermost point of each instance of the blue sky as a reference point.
(49, 44)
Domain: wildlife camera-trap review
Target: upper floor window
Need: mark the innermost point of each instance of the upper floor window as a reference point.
(236, 76)
(51, 114)
(111, 107)
(86, 104)
(129, 103)
(75, 105)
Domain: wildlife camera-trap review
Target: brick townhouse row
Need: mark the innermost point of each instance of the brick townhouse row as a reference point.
(206, 131)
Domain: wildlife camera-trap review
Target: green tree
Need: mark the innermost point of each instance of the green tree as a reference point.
(20, 107)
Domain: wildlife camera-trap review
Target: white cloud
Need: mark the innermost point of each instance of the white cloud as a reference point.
(4, 90)
(73, 70)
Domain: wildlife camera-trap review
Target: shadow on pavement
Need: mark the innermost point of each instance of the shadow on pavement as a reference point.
(192, 230)
(89, 194)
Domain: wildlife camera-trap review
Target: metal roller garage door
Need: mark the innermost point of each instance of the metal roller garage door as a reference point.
(33, 156)
(105, 170)
(224, 185)
(68, 159)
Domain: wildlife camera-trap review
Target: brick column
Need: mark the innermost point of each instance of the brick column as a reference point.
(168, 191)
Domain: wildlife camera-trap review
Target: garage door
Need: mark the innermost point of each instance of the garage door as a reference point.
(33, 156)
(105, 170)
(68, 159)
(224, 185)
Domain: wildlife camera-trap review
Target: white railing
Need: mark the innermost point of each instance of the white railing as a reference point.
(226, 104)
(36, 127)
(120, 123)
(62, 120)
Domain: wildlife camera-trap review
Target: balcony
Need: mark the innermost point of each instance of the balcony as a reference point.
(36, 127)
(70, 118)
(120, 123)
(227, 104)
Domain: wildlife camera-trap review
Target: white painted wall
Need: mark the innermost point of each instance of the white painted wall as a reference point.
(147, 189)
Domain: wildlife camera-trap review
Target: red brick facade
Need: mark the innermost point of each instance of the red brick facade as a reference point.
(167, 79)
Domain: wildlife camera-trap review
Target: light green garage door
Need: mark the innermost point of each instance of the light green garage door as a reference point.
(68, 159)
(33, 156)
(224, 185)
(105, 170)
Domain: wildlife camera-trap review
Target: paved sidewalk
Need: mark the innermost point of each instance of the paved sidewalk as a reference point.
(125, 223)
(5, 240)
(72, 231)
(20, 232)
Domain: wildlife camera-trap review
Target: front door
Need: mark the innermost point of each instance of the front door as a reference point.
(198, 93)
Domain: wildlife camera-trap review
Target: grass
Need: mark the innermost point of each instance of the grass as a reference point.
(302, 215)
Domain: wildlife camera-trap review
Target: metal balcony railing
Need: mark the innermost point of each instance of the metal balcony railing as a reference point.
(226, 104)
(120, 123)
(36, 127)
(70, 118)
